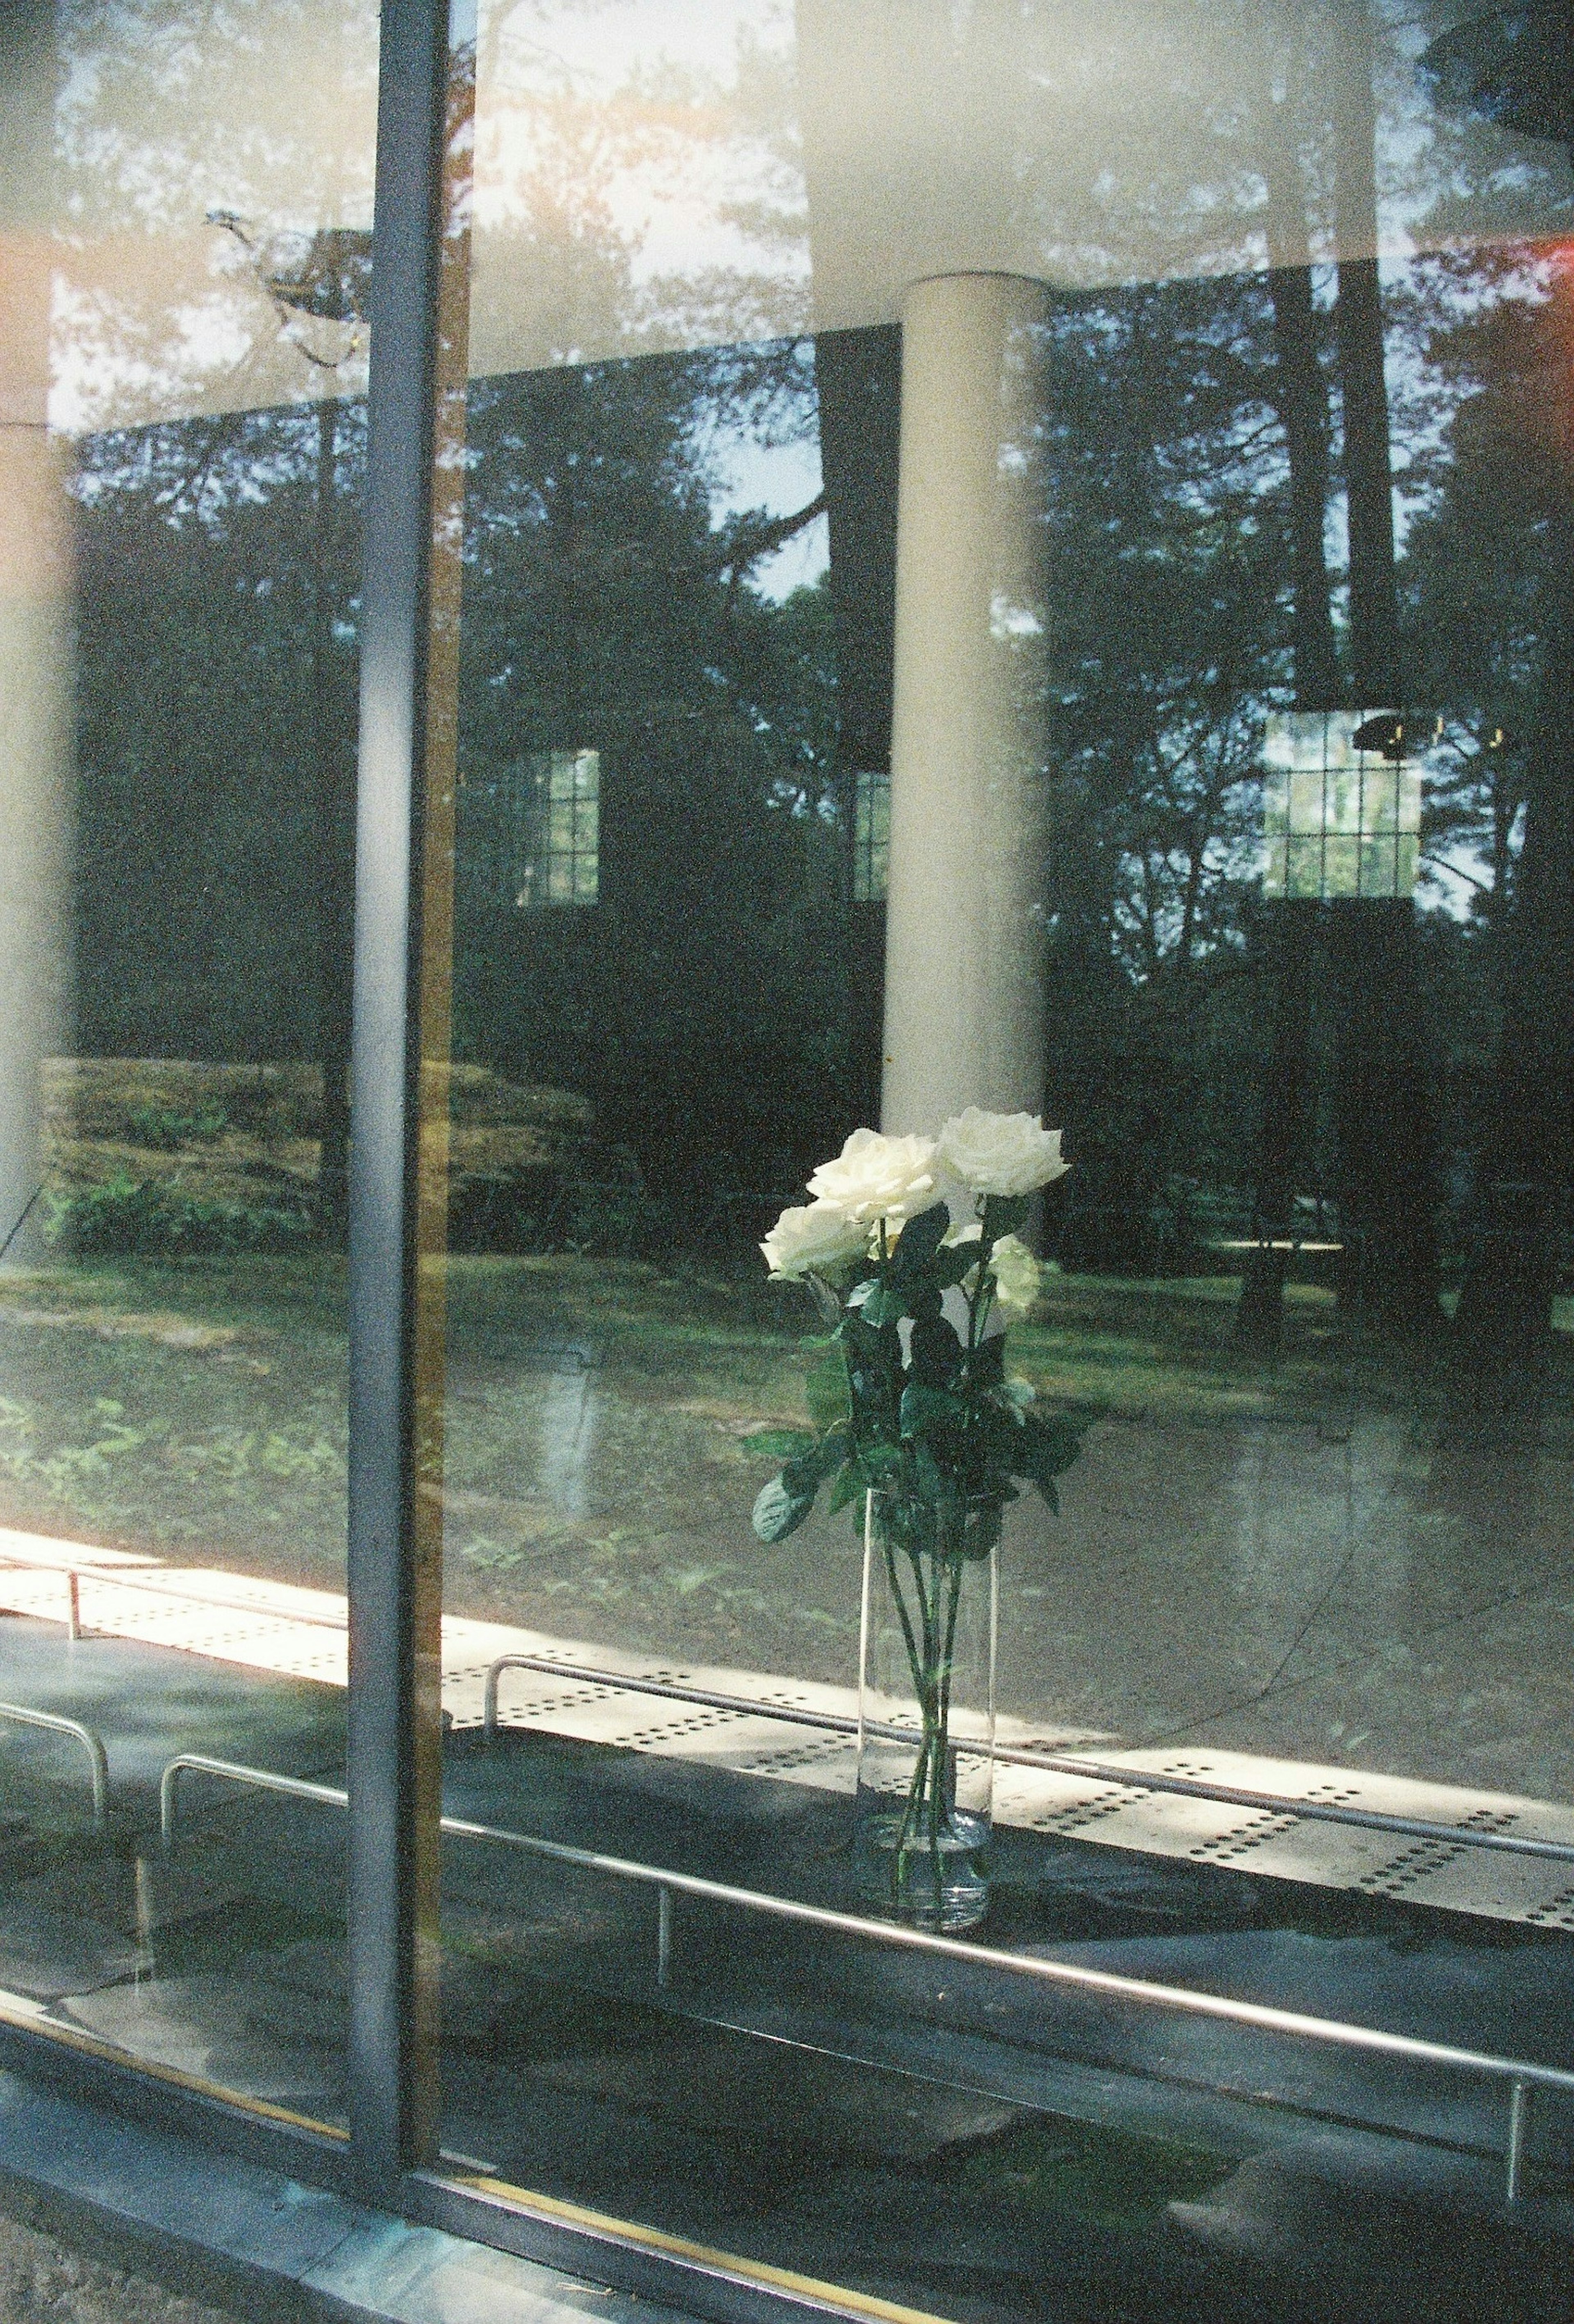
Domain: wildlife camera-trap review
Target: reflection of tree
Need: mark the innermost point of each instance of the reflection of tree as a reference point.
(566, 160)
(701, 1000)
(1287, 935)
(1494, 622)
(1184, 454)
(200, 783)
(171, 109)
(216, 175)
(1499, 536)
(1166, 489)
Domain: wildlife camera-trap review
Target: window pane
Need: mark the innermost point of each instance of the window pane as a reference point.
(185, 206)
(1063, 629)
(527, 832)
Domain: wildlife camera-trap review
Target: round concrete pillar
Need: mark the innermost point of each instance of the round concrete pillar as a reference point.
(36, 611)
(965, 916)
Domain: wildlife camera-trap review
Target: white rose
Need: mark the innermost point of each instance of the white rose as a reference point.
(1018, 1276)
(819, 1238)
(1000, 1153)
(875, 1177)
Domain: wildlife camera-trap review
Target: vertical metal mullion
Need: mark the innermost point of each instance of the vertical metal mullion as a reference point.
(392, 2060)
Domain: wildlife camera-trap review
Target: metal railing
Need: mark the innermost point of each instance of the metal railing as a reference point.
(161, 1584)
(67, 1574)
(1523, 2076)
(260, 1779)
(56, 1725)
(1051, 1762)
(1098, 1770)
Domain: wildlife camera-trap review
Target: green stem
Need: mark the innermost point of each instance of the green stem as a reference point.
(933, 1735)
(951, 1609)
(910, 1807)
(915, 1665)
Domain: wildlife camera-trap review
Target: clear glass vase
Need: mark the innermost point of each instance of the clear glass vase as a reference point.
(926, 1709)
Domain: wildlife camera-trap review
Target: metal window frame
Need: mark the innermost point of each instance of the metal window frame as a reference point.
(390, 2066)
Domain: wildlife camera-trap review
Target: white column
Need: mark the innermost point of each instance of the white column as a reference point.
(965, 918)
(35, 631)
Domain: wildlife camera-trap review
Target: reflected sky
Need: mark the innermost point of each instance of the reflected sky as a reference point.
(659, 176)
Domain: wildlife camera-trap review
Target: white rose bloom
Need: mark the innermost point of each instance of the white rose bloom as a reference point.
(1000, 1153)
(875, 1177)
(817, 1238)
(1017, 1276)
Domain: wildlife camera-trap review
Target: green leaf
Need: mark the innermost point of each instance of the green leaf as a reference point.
(1000, 1429)
(826, 1390)
(777, 1444)
(847, 1487)
(1003, 1215)
(924, 1408)
(1046, 1446)
(920, 1239)
(779, 1512)
(982, 1530)
(824, 1299)
(812, 1466)
(952, 1263)
(937, 1352)
(886, 1304)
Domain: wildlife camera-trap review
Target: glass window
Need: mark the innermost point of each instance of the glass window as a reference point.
(530, 833)
(1142, 432)
(871, 835)
(1010, 1440)
(1342, 807)
(185, 213)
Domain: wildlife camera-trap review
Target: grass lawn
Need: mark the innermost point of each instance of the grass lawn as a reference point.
(599, 1472)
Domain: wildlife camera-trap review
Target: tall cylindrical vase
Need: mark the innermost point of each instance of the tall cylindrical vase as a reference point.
(926, 1709)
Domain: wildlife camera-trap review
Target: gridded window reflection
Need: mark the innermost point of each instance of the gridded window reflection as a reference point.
(1339, 820)
(531, 835)
(871, 836)
(564, 868)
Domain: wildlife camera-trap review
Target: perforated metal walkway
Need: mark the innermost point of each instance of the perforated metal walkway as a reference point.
(298, 1633)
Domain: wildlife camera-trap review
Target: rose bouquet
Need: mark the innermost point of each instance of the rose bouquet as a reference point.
(910, 1249)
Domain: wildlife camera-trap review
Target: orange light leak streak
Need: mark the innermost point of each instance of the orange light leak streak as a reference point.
(436, 1016)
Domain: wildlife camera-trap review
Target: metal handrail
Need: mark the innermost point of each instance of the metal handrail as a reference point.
(1522, 2075)
(1051, 1762)
(159, 1583)
(261, 1779)
(67, 1574)
(585, 1674)
(57, 1725)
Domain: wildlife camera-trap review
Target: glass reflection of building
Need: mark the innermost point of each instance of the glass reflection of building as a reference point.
(871, 836)
(893, 509)
(1340, 821)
